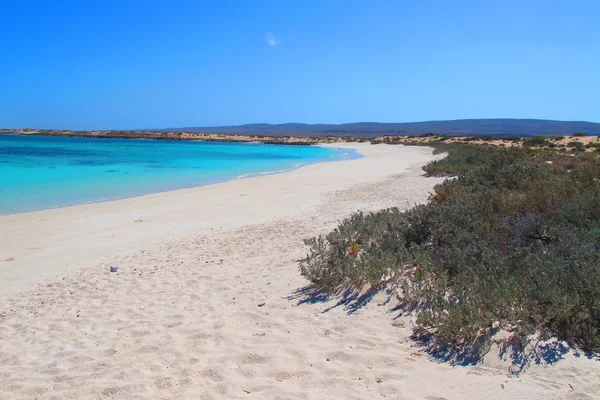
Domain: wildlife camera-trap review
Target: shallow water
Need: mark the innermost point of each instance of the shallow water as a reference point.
(42, 172)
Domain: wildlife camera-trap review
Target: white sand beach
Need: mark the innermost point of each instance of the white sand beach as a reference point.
(208, 302)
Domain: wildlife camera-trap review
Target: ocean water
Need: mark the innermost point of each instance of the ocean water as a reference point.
(41, 172)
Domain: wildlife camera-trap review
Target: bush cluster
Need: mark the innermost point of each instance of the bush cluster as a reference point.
(536, 141)
(513, 242)
(461, 159)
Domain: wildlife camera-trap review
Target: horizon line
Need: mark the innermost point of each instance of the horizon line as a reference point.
(307, 124)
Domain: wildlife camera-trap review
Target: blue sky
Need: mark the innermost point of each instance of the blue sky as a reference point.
(156, 64)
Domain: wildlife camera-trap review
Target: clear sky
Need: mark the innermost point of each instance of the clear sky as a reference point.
(156, 64)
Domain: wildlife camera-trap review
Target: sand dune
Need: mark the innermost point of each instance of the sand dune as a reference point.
(208, 303)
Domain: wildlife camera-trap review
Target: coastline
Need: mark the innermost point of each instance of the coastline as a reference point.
(41, 245)
(207, 301)
(183, 136)
(172, 182)
(564, 142)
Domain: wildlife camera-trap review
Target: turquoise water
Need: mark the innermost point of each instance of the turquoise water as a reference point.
(41, 172)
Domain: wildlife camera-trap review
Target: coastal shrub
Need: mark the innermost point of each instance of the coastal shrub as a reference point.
(557, 138)
(462, 158)
(575, 145)
(579, 134)
(536, 141)
(511, 242)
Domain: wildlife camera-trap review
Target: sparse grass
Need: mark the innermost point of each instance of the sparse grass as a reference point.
(510, 138)
(513, 242)
(595, 146)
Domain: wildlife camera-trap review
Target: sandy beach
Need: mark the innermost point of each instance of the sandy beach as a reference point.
(207, 301)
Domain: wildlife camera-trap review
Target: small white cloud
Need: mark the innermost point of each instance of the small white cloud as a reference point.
(271, 39)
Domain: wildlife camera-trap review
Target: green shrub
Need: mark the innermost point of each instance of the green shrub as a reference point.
(536, 141)
(512, 242)
(575, 144)
(579, 134)
(463, 158)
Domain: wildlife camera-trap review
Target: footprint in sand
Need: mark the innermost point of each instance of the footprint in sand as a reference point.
(11, 259)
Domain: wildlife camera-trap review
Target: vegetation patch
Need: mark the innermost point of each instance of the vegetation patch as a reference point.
(512, 243)
(536, 141)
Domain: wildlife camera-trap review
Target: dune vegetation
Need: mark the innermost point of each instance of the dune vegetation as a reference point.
(510, 242)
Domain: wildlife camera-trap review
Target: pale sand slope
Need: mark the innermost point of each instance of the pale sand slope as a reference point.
(59, 241)
(181, 317)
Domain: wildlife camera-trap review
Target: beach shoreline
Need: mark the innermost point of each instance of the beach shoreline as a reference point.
(206, 300)
(55, 237)
(42, 173)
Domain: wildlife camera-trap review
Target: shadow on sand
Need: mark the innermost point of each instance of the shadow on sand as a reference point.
(520, 352)
(347, 297)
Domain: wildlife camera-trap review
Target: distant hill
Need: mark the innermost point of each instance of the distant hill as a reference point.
(459, 127)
